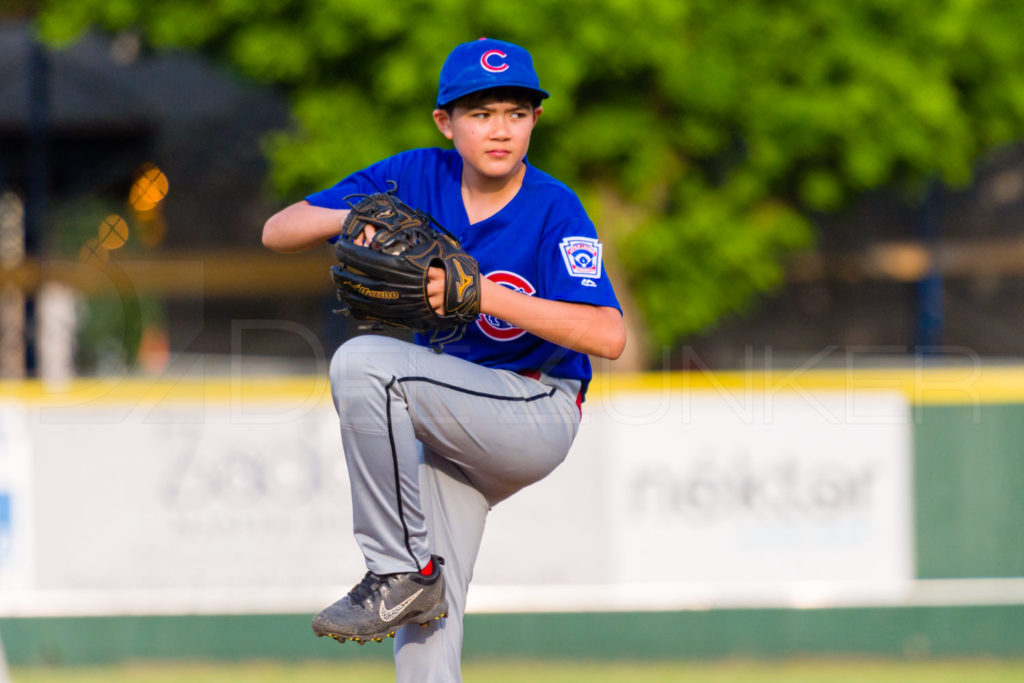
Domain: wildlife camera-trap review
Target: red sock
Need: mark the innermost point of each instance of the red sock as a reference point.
(429, 569)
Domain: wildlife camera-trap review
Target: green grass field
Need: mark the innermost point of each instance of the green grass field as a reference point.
(788, 671)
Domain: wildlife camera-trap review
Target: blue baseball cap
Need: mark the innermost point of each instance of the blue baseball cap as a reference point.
(483, 64)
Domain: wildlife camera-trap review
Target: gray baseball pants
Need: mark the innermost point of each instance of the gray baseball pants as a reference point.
(432, 442)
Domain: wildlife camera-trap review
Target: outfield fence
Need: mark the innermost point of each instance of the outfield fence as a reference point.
(766, 512)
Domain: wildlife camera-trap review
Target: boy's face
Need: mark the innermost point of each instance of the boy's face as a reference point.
(492, 137)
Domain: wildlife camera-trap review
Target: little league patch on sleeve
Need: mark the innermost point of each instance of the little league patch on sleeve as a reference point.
(582, 256)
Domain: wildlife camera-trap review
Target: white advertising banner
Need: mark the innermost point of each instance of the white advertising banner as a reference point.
(670, 500)
(200, 506)
(799, 493)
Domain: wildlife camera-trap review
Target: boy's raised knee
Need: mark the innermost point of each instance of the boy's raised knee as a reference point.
(363, 365)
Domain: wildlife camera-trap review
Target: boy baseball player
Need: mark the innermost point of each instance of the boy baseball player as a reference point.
(433, 440)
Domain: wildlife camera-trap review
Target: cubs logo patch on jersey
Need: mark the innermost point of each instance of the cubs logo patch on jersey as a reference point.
(582, 256)
(498, 329)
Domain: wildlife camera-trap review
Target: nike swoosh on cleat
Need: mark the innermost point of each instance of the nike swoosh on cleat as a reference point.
(391, 614)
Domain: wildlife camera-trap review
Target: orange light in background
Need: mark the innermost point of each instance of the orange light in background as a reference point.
(146, 198)
(149, 189)
(113, 232)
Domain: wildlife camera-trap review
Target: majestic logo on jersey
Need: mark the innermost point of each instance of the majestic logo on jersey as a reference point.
(582, 256)
(490, 61)
(496, 329)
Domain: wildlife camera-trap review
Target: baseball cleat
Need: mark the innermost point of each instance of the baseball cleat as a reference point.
(379, 605)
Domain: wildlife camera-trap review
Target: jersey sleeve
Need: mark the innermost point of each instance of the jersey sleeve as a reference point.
(367, 181)
(572, 265)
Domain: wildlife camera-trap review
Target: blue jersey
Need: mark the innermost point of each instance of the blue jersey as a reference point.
(541, 243)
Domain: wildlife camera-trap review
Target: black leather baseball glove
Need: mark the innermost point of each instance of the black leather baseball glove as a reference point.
(385, 280)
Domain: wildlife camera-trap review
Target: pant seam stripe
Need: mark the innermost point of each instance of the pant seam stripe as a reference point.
(398, 481)
(482, 394)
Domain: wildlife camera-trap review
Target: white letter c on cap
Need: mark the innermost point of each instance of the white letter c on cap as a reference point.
(485, 61)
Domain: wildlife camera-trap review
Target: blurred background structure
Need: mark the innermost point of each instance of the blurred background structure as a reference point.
(786, 188)
(850, 176)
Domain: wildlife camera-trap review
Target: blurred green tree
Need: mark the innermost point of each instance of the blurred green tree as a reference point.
(701, 134)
